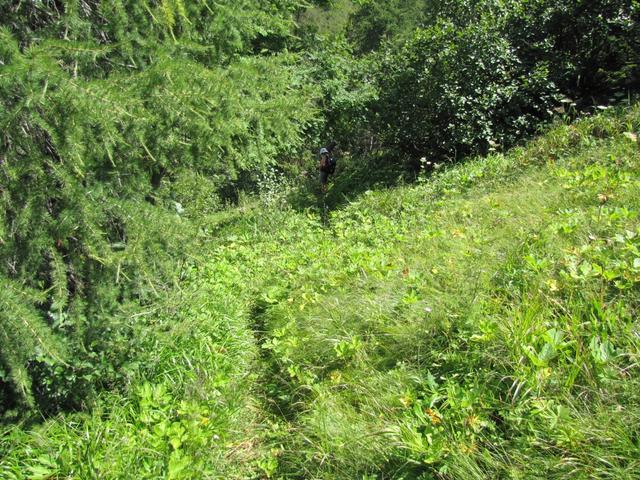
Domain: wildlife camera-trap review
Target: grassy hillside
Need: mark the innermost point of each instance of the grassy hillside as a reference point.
(480, 324)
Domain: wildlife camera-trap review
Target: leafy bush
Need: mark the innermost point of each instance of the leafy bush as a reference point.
(376, 21)
(450, 92)
(592, 48)
(463, 77)
(349, 91)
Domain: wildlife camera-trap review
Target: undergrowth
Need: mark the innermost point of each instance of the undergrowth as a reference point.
(479, 324)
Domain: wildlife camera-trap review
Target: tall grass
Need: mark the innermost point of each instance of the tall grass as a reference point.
(479, 324)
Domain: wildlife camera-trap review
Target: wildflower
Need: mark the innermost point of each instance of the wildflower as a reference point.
(433, 416)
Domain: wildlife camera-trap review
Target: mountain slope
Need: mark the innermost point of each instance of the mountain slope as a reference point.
(479, 324)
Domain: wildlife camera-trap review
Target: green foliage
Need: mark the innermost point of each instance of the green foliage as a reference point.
(95, 38)
(591, 48)
(468, 93)
(376, 21)
(349, 91)
(444, 94)
(25, 336)
(401, 363)
(183, 416)
(433, 330)
(481, 324)
(104, 184)
(328, 18)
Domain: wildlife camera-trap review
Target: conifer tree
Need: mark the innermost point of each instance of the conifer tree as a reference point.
(105, 107)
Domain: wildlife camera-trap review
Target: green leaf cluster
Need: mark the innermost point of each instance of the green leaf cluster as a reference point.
(467, 93)
(459, 77)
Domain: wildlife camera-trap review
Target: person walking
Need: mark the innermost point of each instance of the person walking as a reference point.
(327, 164)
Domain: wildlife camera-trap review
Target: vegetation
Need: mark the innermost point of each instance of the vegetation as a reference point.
(179, 300)
(295, 350)
(99, 157)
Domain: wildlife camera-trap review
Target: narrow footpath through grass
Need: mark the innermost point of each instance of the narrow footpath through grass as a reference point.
(480, 324)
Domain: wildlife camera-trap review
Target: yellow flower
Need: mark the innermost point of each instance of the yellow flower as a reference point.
(433, 416)
(474, 422)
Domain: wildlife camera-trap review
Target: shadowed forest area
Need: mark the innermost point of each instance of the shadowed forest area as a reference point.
(181, 299)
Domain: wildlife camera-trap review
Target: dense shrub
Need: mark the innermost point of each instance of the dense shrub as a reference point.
(592, 47)
(96, 37)
(349, 92)
(450, 92)
(378, 20)
(460, 77)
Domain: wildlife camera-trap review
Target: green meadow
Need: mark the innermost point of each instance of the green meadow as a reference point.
(184, 296)
(480, 323)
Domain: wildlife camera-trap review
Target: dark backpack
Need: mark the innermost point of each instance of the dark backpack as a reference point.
(331, 168)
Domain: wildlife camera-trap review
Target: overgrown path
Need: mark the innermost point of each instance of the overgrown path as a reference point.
(406, 281)
(479, 324)
(454, 297)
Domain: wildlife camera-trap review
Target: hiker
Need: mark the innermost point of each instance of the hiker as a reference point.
(327, 164)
